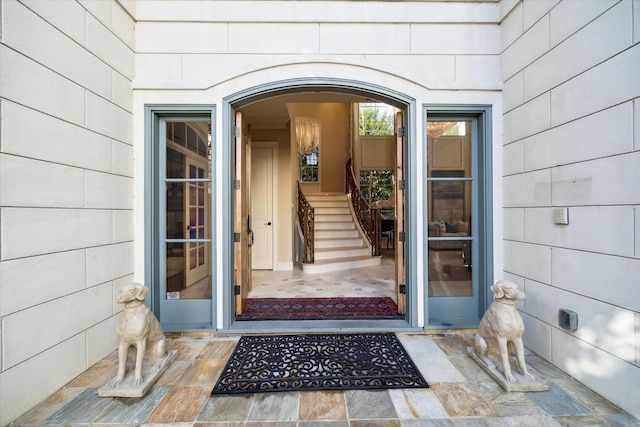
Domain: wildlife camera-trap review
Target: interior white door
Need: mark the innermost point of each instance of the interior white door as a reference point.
(262, 208)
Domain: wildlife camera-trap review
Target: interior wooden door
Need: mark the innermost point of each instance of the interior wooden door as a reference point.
(242, 230)
(249, 229)
(399, 211)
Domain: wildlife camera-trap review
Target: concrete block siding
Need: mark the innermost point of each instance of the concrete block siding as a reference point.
(414, 41)
(75, 76)
(66, 199)
(571, 140)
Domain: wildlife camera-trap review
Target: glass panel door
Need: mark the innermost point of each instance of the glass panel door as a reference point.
(451, 197)
(186, 285)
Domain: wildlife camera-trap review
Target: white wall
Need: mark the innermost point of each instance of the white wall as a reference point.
(196, 52)
(66, 198)
(72, 226)
(571, 135)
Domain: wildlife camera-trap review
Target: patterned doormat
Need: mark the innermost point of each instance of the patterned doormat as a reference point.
(318, 308)
(261, 364)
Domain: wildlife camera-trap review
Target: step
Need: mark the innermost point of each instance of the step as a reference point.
(329, 204)
(332, 218)
(321, 196)
(325, 266)
(333, 211)
(342, 225)
(335, 234)
(343, 242)
(341, 253)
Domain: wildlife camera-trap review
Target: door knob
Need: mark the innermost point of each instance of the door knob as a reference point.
(269, 223)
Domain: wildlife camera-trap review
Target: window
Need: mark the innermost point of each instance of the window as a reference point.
(376, 185)
(309, 167)
(308, 143)
(375, 119)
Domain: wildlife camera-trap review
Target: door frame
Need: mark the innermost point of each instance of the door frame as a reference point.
(181, 315)
(274, 196)
(482, 248)
(234, 101)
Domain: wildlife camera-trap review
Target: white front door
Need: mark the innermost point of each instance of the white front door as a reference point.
(262, 207)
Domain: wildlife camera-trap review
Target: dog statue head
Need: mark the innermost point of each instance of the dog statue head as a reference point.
(508, 290)
(131, 292)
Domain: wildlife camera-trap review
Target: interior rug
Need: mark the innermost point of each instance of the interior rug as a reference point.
(318, 308)
(311, 362)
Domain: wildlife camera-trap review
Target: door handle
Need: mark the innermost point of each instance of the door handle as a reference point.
(269, 223)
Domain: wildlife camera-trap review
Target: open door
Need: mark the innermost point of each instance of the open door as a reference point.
(242, 230)
(250, 237)
(399, 211)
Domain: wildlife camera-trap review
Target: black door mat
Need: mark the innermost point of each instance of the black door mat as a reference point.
(272, 363)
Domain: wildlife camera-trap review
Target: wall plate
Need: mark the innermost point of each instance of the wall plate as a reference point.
(561, 216)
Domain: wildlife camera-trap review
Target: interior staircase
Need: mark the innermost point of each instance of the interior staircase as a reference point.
(338, 240)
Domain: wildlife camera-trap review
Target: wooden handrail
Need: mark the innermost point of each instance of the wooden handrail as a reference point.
(369, 219)
(306, 217)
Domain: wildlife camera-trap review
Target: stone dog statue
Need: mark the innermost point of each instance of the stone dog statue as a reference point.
(501, 329)
(138, 327)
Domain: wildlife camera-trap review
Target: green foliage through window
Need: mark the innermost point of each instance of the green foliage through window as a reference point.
(375, 119)
(376, 185)
(309, 167)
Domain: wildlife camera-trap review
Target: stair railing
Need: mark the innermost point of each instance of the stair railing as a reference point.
(369, 219)
(306, 217)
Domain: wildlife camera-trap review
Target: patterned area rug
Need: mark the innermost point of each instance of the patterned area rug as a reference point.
(318, 308)
(318, 362)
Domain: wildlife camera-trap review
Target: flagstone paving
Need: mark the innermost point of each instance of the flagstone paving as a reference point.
(460, 394)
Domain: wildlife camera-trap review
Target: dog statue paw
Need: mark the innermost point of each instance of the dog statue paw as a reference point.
(501, 329)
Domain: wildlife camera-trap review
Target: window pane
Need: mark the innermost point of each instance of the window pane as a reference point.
(449, 148)
(188, 274)
(188, 142)
(308, 164)
(376, 119)
(449, 270)
(377, 185)
(191, 203)
(175, 164)
(192, 139)
(175, 211)
(179, 133)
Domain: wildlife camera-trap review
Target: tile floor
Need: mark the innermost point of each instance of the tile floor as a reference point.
(461, 394)
(377, 281)
(447, 277)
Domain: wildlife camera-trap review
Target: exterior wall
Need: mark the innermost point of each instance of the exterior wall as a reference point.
(71, 129)
(571, 140)
(202, 53)
(66, 197)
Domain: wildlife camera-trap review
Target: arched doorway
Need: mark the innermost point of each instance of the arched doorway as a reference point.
(239, 138)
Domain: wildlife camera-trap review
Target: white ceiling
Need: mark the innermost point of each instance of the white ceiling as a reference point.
(272, 112)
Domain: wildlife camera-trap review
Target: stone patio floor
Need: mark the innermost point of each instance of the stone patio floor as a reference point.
(460, 394)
